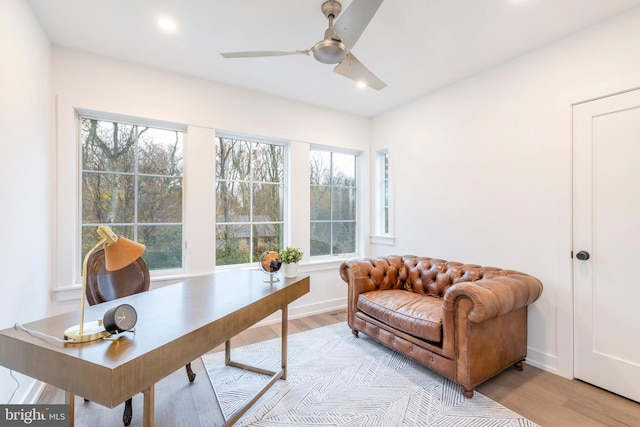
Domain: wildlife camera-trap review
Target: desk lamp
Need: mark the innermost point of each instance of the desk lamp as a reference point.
(119, 252)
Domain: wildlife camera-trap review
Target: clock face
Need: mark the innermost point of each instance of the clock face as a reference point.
(121, 318)
(125, 317)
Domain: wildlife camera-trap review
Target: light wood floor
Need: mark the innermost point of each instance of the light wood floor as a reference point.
(542, 397)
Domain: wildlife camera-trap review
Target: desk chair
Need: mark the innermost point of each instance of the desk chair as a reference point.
(103, 285)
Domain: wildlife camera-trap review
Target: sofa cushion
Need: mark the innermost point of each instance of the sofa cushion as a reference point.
(412, 313)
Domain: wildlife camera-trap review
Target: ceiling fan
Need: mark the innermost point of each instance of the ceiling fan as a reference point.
(338, 41)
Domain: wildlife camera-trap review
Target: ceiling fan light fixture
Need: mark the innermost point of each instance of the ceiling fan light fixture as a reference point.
(329, 51)
(167, 25)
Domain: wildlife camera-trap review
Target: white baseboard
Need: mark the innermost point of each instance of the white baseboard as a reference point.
(29, 390)
(35, 391)
(541, 360)
(307, 310)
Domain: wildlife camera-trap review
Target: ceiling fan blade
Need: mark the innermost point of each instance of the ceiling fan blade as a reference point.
(352, 22)
(258, 54)
(353, 69)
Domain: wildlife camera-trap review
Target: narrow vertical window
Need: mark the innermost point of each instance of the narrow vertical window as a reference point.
(132, 181)
(249, 199)
(333, 203)
(384, 191)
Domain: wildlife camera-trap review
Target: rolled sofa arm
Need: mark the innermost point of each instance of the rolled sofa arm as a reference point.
(494, 296)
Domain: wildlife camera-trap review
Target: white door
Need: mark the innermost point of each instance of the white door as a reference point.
(606, 231)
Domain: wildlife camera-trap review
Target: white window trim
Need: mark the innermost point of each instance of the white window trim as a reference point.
(378, 235)
(199, 197)
(66, 264)
(286, 233)
(138, 122)
(360, 220)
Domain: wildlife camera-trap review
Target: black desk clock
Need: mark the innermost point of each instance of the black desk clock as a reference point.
(120, 318)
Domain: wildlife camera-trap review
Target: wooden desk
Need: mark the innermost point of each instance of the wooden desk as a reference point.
(176, 324)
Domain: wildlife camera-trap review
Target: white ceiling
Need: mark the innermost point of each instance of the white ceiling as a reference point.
(415, 46)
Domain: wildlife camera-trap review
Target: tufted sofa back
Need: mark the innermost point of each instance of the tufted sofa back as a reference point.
(426, 276)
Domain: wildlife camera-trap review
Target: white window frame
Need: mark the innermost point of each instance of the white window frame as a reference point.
(382, 200)
(285, 182)
(198, 197)
(136, 122)
(66, 187)
(358, 219)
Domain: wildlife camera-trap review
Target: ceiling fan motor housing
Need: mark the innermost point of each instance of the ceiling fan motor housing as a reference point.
(329, 51)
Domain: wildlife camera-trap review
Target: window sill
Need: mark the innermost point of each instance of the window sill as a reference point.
(383, 240)
(314, 265)
(71, 293)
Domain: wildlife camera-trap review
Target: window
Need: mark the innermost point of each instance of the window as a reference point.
(383, 188)
(333, 203)
(132, 181)
(249, 199)
(382, 201)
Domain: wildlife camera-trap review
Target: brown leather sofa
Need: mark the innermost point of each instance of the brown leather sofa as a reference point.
(463, 321)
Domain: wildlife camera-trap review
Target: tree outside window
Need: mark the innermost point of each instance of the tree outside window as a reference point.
(333, 203)
(249, 199)
(132, 181)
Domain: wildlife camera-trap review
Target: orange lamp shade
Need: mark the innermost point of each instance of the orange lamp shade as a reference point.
(121, 253)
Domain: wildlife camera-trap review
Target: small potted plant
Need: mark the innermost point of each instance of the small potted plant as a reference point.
(290, 257)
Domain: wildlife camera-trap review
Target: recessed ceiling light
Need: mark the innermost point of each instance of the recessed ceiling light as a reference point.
(361, 85)
(167, 25)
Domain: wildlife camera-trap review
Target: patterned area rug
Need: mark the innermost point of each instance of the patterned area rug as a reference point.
(335, 379)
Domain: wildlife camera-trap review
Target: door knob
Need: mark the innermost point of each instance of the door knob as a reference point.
(583, 255)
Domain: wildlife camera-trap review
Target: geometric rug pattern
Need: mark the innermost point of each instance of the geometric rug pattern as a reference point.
(336, 379)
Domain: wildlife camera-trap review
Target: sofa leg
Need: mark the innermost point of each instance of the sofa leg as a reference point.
(355, 333)
(467, 392)
(190, 374)
(519, 366)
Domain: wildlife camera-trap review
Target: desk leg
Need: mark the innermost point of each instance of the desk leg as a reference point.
(275, 376)
(285, 333)
(70, 399)
(227, 352)
(149, 406)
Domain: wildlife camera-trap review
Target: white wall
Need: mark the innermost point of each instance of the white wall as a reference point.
(90, 82)
(482, 169)
(491, 183)
(24, 187)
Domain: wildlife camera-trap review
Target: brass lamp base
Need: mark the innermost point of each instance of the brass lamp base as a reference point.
(92, 331)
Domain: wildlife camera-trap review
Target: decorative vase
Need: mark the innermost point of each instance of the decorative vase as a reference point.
(291, 270)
